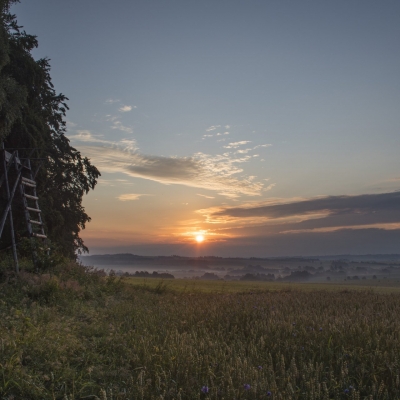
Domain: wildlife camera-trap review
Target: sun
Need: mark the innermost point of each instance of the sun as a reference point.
(199, 238)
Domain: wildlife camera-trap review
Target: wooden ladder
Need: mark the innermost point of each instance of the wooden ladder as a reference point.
(30, 199)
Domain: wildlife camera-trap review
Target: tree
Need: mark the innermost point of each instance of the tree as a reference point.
(32, 116)
(12, 95)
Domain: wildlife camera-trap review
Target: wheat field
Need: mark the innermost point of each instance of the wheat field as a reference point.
(74, 335)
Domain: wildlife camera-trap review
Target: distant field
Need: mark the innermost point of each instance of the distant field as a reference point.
(201, 286)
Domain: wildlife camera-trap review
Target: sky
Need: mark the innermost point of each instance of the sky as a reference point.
(269, 128)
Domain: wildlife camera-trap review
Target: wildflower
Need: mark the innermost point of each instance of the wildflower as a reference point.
(351, 387)
(246, 386)
(346, 391)
(320, 329)
(259, 367)
(269, 393)
(205, 389)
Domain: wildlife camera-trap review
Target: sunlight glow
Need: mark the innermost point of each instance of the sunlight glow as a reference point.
(199, 238)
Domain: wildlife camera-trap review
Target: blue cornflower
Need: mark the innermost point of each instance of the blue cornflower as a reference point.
(260, 367)
(346, 391)
(205, 389)
(246, 386)
(269, 393)
(320, 329)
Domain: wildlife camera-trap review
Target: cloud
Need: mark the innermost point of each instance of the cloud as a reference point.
(125, 108)
(219, 173)
(213, 128)
(207, 197)
(243, 151)
(318, 214)
(262, 145)
(86, 136)
(71, 124)
(327, 229)
(235, 145)
(130, 196)
(331, 205)
(112, 101)
(118, 126)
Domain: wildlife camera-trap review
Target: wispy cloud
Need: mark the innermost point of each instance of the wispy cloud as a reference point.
(207, 197)
(219, 173)
(243, 151)
(361, 204)
(125, 108)
(117, 125)
(71, 124)
(86, 136)
(318, 214)
(130, 196)
(385, 226)
(213, 128)
(235, 145)
(112, 101)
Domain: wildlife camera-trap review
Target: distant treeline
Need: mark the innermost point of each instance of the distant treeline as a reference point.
(154, 274)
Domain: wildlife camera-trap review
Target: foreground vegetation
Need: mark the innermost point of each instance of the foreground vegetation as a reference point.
(75, 334)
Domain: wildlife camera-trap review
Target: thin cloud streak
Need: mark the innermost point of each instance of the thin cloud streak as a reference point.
(235, 145)
(318, 215)
(366, 203)
(218, 173)
(130, 196)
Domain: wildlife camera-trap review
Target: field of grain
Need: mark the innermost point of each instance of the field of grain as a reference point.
(75, 335)
(221, 286)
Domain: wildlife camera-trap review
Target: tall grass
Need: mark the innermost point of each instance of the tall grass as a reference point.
(75, 335)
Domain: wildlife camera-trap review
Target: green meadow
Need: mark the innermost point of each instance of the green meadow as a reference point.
(74, 334)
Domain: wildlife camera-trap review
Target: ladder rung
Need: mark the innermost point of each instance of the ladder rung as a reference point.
(35, 222)
(31, 197)
(28, 184)
(32, 209)
(39, 235)
(28, 181)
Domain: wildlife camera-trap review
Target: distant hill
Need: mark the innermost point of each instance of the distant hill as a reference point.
(204, 262)
(365, 257)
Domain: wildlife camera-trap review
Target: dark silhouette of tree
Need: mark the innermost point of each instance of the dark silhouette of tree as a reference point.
(32, 116)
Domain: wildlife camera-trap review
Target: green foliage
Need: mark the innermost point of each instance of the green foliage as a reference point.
(75, 333)
(12, 95)
(33, 117)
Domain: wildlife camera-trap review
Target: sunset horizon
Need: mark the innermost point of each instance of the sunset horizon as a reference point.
(268, 129)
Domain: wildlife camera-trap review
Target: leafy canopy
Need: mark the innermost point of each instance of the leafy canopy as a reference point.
(32, 116)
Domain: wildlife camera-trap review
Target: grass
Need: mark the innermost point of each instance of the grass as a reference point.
(75, 335)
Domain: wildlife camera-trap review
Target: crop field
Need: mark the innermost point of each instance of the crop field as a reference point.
(221, 286)
(75, 335)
